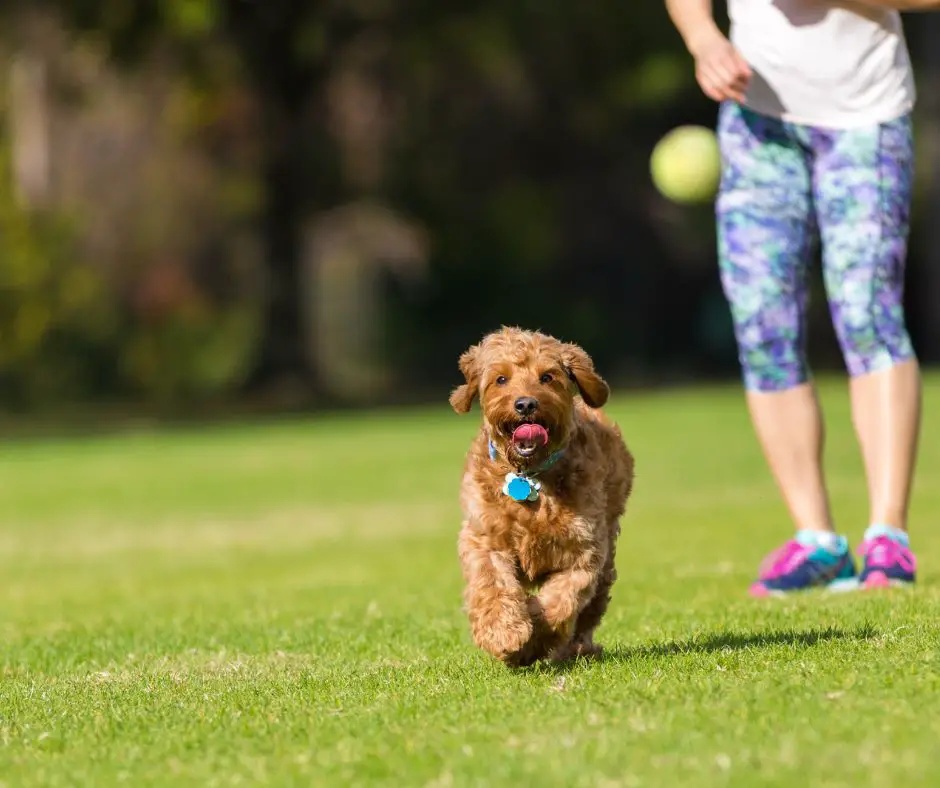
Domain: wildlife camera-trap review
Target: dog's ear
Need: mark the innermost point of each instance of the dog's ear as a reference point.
(593, 388)
(461, 398)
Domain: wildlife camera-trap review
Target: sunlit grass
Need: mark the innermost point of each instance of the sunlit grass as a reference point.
(281, 604)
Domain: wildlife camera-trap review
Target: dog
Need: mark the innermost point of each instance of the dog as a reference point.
(545, 484)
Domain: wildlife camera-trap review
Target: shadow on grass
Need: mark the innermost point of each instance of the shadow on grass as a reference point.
(724, 641)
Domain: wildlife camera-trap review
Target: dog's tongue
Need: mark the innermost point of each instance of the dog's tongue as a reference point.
(530, 433)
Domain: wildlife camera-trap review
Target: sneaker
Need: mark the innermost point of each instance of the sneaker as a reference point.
(888, 560)
(805, 562)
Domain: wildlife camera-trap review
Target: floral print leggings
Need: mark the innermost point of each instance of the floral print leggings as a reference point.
(786, 186)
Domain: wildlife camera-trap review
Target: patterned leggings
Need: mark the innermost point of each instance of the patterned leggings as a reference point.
(783, 186)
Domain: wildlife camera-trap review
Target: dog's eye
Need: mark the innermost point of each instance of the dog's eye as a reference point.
(501, 380)
(547, 378)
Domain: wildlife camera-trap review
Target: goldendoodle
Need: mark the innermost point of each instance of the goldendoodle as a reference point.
(545, 484)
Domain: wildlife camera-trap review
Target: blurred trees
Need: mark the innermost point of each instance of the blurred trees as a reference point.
(151, 190)
(341, 195)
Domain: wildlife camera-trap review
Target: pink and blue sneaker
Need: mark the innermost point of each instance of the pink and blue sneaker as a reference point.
(812, 560)
(887, 558)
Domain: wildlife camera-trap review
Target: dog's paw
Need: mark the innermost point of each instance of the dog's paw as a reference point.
(529, 654)
(503, 639)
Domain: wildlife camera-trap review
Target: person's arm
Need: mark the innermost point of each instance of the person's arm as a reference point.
(695, 22)
(719, 68)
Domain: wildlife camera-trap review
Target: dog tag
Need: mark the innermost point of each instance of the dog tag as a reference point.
(519, 489)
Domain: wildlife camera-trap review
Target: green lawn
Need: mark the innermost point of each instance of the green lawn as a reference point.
(280, 604)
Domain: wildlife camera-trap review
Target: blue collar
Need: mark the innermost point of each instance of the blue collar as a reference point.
(552, 459)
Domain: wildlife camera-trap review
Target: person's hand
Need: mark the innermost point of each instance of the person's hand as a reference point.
(719, 68)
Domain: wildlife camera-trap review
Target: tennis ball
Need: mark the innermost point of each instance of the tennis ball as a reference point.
(686, 164)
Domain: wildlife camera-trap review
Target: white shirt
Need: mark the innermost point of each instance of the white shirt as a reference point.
(830, 64)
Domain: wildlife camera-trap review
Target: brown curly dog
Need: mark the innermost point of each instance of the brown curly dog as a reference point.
(545, 484)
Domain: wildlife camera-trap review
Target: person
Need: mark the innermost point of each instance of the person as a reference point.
(815, 133)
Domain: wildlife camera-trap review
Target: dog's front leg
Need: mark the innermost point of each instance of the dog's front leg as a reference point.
(496, 602)
(555, 609)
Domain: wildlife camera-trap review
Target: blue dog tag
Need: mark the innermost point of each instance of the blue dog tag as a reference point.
(519, 489)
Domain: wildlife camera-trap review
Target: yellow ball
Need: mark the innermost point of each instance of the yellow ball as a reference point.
(686, 165)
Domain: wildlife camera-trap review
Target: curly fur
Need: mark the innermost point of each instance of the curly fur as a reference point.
(538, 574)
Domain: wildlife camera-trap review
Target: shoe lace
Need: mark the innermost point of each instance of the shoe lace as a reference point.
(784, 559)
(883, 552)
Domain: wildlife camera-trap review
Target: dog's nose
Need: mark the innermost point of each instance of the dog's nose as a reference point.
(526, 406)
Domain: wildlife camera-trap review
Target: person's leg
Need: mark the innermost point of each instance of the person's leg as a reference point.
(765, 222)
(790, 428)
(886, 414)
(863, 184)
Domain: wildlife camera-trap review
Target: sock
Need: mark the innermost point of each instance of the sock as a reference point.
(827, 540)
(894, 534)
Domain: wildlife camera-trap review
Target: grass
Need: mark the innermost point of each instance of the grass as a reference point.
(279, 604)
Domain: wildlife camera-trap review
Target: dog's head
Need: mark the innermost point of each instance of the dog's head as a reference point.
(527, 382)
